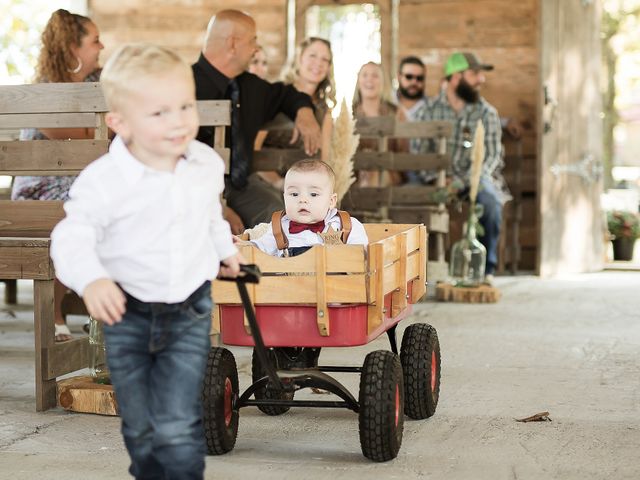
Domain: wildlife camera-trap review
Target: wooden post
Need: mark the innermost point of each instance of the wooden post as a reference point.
(322, 312)
(218, 143)
(399, 297)
(43, 310)
(418, 287)
(376, 288)
(10, 292)
(102, 131)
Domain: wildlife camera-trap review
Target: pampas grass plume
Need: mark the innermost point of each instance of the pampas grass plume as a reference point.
(477, 159)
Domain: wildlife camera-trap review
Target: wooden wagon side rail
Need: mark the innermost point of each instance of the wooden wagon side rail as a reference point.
(395, 263)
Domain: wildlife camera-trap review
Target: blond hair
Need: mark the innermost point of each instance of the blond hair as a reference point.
(385, 97)
(326, 90)
(314, 165)
(56, 61)
(134, 63)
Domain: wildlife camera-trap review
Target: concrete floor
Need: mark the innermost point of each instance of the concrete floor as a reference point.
(569, 346)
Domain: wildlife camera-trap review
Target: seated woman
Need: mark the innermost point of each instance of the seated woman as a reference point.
(371, 99)
(310, 216)
(311, 73)
(70, 52)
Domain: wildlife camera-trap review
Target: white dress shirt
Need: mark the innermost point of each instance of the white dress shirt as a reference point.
(158, 234)
(267, 242)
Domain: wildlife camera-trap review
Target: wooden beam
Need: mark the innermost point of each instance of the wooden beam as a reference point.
(43, 308)
(52, 98)
(51, 157)
(29, 218)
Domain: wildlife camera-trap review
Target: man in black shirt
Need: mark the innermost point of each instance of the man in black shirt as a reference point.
(220, 73)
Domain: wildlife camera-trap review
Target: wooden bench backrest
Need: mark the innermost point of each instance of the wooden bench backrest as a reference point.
(384, 129)
(64, 105)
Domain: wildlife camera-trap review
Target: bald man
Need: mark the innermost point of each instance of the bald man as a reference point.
(219, 72)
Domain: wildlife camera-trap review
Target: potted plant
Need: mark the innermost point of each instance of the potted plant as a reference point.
(625, 228)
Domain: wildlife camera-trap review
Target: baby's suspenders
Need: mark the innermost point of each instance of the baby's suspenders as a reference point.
(281, 239)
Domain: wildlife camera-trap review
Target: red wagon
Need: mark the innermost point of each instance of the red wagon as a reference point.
(330, 296)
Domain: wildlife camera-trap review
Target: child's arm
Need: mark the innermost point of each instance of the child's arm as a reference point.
(74, 239)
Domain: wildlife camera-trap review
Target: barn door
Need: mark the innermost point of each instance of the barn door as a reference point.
(571, 222)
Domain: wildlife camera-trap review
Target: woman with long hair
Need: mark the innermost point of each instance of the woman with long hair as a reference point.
(312, 73)
(372, 99)
(70, 52)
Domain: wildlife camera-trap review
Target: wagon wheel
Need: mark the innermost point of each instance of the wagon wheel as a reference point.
(219, 389)
(267, 392)
(381, 416)
(420, 357)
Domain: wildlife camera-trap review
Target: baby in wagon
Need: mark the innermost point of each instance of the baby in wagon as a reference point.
(310, 217)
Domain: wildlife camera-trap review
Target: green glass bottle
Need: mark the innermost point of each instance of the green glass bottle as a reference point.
(468, 257)
(98, 353)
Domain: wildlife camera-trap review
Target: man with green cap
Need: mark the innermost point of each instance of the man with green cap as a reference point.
(460, 103)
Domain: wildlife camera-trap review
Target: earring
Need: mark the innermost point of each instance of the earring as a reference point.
(78, 68)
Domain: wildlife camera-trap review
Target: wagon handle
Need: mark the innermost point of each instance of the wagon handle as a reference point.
(252, 274)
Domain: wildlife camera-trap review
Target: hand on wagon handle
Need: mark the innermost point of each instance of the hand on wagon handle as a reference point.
(104, 300)
(230, 266)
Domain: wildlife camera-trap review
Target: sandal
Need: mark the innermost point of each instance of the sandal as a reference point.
(62, 333)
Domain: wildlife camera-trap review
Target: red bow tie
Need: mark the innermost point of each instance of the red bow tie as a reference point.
(296, 227)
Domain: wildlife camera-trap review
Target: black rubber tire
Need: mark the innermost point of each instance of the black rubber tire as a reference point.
(381, 416)
(220, 422)
(420, 348)
(269, 393)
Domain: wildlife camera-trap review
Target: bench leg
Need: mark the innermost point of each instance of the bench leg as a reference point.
(43, 308)
(10, 292)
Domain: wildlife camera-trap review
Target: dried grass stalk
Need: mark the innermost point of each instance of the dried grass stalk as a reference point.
(344, 144)
(477, 159)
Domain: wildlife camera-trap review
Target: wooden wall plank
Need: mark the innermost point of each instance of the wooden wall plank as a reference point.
(52, 157)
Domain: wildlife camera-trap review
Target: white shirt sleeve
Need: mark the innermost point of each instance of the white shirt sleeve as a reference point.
(74, 239)
(267, 242)
(358, 235)
(220, 228)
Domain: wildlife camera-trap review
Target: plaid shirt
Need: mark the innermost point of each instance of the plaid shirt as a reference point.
(461, 141)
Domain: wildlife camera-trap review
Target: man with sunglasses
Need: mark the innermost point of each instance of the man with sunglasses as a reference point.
(411, 80)
(411, 77)
(460, 103)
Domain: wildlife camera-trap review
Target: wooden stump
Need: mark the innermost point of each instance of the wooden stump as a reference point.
(445, 292)
(81, 394)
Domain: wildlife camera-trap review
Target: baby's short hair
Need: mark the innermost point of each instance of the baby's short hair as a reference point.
(314, 165)
(134, 62)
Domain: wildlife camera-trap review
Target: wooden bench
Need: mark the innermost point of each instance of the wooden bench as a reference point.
(405, 204)
(25, 226)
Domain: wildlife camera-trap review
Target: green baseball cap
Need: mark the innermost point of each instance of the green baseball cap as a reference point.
(461, 61)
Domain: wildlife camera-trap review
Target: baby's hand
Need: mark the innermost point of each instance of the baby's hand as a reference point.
(104, 301)
(230, 267)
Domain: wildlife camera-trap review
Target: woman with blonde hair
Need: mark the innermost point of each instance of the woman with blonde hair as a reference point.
(70, 52)
(372, 99)
(311, 73)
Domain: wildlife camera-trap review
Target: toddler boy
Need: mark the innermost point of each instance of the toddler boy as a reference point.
(142, 237)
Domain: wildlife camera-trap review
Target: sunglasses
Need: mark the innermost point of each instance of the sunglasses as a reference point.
(411, 76)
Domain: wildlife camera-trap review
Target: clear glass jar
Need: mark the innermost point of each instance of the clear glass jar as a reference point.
(468, 258)
(98, 353)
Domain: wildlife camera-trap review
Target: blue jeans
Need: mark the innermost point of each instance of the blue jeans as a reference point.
(491, 220)
(157, 357)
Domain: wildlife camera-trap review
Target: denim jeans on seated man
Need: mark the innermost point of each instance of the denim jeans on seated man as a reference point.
(157, 357)
(491, 221)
